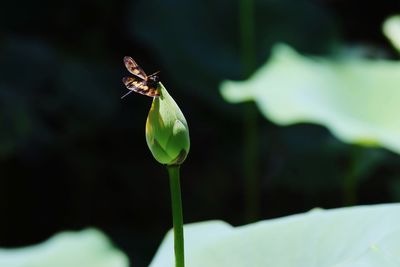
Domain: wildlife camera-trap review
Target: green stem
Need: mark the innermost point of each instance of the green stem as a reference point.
(350, 185)
(246, 24)
(351, 179)
(251, 165)
(177, 217)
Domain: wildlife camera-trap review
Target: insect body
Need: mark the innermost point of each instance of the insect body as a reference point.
(140, 83)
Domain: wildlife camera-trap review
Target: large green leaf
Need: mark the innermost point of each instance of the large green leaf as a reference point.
(88, 248)
(364, 236)
(357, 99)
(391, 28)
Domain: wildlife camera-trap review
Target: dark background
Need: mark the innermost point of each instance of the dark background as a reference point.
(73, 155)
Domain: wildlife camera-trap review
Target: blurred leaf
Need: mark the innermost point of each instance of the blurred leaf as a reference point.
(349, 237)
(357, 99)
(88, 248)
(391, 29)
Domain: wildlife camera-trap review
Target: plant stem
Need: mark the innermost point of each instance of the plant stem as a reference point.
(246, 24)
(177, 217)
(351, 179)
(251, 165)
(250, 160)
(350, 185)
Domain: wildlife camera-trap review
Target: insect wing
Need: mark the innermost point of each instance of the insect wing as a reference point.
(134, 68)
(140, 86)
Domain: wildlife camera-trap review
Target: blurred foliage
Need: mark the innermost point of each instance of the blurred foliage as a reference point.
(391, 28)
(88, 248)
(347, 237)
(72, 154)
(357, 99)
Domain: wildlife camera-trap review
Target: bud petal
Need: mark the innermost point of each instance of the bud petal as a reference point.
(167, 133)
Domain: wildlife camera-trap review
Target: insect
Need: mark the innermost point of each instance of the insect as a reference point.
(140, 83)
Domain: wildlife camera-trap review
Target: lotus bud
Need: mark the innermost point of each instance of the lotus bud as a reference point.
(167, 132)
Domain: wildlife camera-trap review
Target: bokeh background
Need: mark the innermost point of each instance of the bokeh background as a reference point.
(73, 155)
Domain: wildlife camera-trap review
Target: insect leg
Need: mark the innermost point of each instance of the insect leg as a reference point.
(155, 73)
(126, 94)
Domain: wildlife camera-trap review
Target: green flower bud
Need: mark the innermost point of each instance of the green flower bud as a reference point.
(167, 133)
